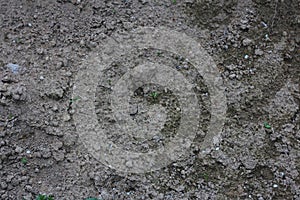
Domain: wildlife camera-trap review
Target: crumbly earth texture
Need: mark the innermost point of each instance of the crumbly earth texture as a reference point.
(255, 44)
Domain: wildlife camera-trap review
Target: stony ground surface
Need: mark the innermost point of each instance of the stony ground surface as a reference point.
(255, 44)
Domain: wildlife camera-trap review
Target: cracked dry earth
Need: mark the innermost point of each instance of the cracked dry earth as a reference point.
(255, 44)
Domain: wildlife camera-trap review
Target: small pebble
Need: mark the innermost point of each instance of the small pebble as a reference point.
(19, 149)
(259, 52)
(66, 117)
(284, 33)
(246, 42)
(232, 76)
(264, 24)
(82, 43)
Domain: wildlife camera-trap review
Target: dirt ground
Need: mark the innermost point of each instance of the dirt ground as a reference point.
(255, 45)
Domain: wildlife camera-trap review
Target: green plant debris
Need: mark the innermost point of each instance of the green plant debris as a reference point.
(267, 126)
(74, 99)
(205, 176)
(10, 116)
(24, 161)
(44, 197)
(154, 95)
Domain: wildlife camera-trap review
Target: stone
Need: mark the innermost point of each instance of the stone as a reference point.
(127, 25)
(232, 76)
(258, 52)
(57, 145)
(3, 185)
(19, 149)
(246, 42)
(231, 67)
(66, 117)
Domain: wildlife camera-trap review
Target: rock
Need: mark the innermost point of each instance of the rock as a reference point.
(55, 108)
(284, 33)
(14, 67)
(69, 139)
(66, 117)
(40, 51)
(57, 145)
(37, 154)
(18, 94)
(258, 52)
(27, 197)
(244, 24)
(297, 19)
(82, 43)
(3, 185)
(9, 79)
(249, 162)
(127, 25)
(55, 93)
(54, 123)
(246, 42)
(144, 1)
(66, 62)
(19, 149)
(231, 67)
(3, 87)
(133, 109)
(264, 24)
(232, 76)
(92, 44)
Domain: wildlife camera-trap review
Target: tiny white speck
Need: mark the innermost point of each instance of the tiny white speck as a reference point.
(246, 56)
(28, 151)
(275, 186)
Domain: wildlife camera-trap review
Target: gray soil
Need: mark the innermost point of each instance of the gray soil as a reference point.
(255, 44)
